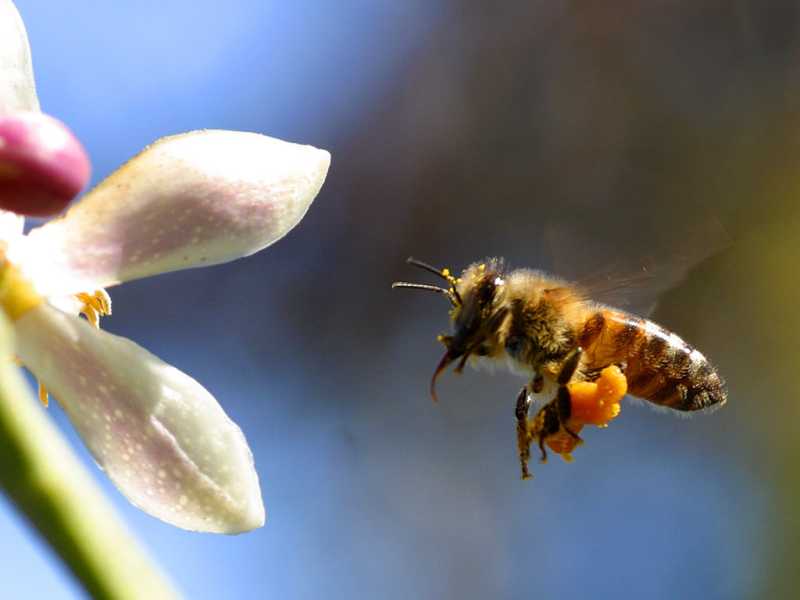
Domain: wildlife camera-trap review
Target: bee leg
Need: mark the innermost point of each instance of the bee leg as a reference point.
(554, 415)
(543, 457)
(537, 385)
(563, 400)
(523, 433)
(546, 423)
(570, 366)
(551, 418)
(550, 421)
(563, 403)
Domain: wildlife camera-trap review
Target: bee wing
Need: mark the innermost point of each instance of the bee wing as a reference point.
(635, 289)
(637, 281)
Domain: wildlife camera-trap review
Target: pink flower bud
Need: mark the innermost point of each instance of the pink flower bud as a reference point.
(42, 164)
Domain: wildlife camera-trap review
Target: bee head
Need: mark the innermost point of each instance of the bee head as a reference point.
(473, 312)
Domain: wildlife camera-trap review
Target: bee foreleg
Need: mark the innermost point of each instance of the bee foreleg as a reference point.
(523, 431)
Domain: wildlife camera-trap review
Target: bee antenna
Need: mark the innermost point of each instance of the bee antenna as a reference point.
(425, 266)
(431, 288)
(445, 274)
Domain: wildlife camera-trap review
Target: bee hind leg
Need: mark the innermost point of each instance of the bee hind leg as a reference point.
(570, 366)
(552, 418)
(563, 399)
(563, 409)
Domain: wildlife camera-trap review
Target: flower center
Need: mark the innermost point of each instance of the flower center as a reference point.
(18, 296)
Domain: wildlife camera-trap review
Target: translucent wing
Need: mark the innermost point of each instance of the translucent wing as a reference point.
(635, 281)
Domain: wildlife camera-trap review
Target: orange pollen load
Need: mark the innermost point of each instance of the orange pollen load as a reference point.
(593, 403)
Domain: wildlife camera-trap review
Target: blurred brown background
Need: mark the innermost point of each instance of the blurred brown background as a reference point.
(624, 126)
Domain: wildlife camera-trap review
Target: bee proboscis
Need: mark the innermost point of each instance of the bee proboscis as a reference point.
(550, 330)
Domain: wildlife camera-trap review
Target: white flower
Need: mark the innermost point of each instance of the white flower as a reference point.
(190, 200)
(17, 90)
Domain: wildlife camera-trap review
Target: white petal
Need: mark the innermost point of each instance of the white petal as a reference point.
(17, 87)
(191, 200)
(11, 225)
(160, 436)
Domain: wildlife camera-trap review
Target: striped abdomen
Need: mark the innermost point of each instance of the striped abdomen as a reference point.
(659, 365)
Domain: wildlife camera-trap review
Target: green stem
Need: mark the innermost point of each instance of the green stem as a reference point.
(47, 483)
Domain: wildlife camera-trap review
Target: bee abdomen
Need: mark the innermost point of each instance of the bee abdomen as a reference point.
(659, 365)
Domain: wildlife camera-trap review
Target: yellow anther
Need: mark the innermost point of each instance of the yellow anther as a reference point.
(95, 305)
(446, 272)
(91, 315)
(43, 396)
(104, 301)
(99, 300)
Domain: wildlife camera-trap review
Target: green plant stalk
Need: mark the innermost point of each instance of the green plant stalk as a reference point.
(44, 479)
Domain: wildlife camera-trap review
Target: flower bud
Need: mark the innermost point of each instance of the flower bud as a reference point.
(42, 164)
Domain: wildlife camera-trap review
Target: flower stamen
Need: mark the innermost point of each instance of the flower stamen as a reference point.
(95, 305)
(44, 397)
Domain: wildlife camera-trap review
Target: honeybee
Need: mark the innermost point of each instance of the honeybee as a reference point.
(549, 330)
